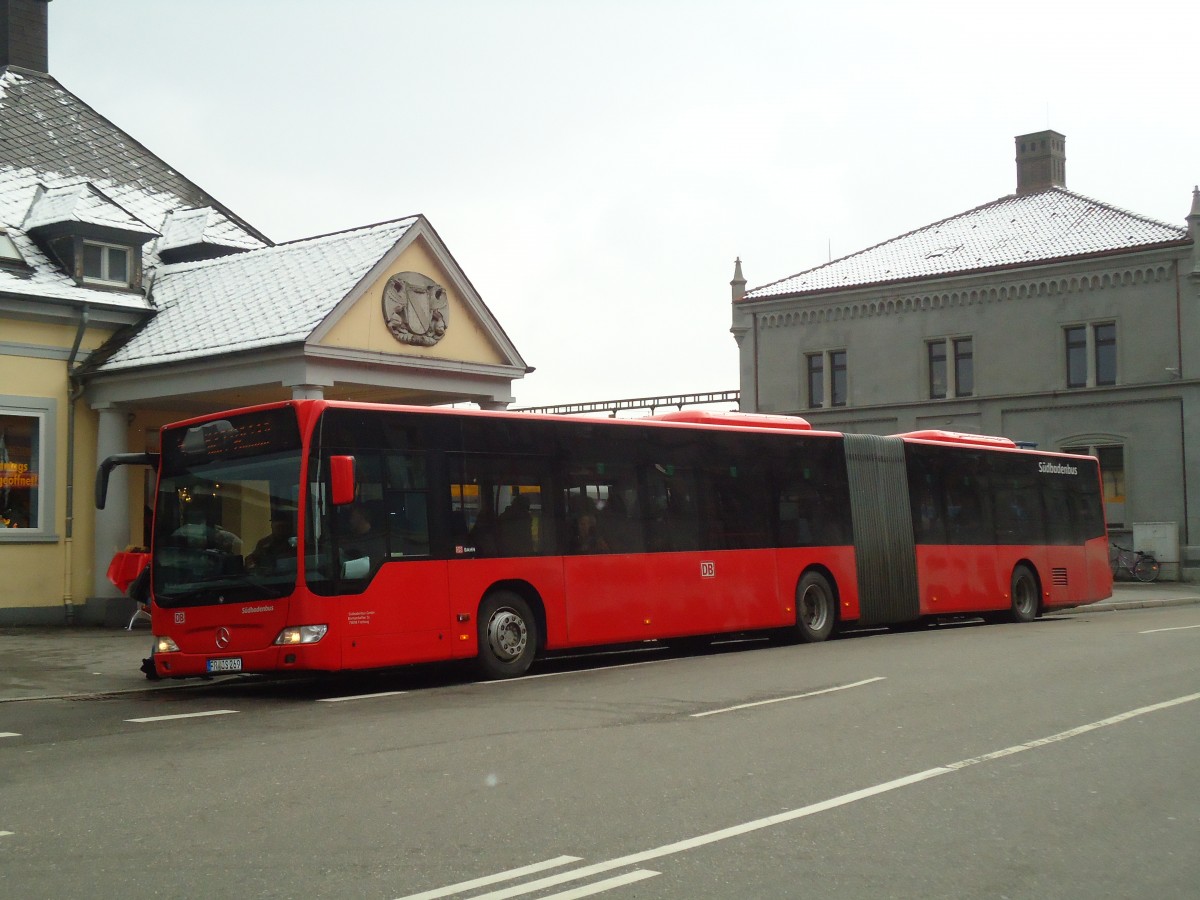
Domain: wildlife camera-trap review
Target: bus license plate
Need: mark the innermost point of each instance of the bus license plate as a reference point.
(225, 665)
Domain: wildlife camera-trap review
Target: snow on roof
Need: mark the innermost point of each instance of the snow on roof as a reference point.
(50, 139)
(1011, 231)
(80, 202)
(45, 278)
(184, 227)
(263, 298)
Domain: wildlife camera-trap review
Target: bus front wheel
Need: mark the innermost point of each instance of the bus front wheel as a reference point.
(1024, 595)
(816, 608)
(507, 635)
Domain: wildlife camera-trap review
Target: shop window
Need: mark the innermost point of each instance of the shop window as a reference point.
(25, 444)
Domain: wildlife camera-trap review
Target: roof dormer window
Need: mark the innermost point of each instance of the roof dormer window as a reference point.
(9, 254)
(95, 240)
(105, 264)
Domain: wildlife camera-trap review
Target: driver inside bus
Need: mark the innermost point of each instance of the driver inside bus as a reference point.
(196, 531)
(276, 546)
(362, 546)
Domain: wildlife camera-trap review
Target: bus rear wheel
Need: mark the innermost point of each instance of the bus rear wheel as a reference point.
(508, 637)
(1024, 595)
(816, 608)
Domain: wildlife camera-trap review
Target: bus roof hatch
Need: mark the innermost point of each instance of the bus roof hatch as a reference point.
(958, 437)
(733, 419)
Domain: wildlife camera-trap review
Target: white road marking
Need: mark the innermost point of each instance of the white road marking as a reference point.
(840, 687)
(1075, 732)
(1177, 628)
(600, 886)
(9, 734)
(732, 831)
(711, 838)
(360, 697)
(196, 715)
(7, 833)
(492, 879)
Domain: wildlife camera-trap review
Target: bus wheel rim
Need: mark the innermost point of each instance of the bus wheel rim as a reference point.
(1024, 599)
(507, 634)
(813, 608)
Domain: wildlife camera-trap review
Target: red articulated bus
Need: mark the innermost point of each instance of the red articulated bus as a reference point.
(316, 535)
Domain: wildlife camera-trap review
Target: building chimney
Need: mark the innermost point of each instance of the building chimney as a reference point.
(1041, 162)
(23, 34)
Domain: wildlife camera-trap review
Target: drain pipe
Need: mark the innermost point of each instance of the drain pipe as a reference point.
(75, 391)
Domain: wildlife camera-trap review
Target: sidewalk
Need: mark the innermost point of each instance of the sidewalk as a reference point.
(43, 663)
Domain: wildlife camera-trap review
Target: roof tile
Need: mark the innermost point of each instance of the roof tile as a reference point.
(269, 297)
(50, 138)
(1014, 230)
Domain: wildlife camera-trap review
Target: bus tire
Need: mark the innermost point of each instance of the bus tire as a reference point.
(1024, 595)
(508, 637)
(816, 608)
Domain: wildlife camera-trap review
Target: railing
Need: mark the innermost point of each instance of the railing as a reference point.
(612, 407)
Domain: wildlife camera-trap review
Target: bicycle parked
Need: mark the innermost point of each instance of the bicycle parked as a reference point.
(1142, 566)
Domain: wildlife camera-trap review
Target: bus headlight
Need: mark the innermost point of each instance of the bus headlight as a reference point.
(301, 634)
(163, 644)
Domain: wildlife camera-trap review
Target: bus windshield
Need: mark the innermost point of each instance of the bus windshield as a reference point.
(225, 516)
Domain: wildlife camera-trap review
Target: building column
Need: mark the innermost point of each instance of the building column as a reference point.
(112, 522)
(307, 391)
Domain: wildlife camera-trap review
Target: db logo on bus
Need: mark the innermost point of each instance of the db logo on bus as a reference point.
(708, 568)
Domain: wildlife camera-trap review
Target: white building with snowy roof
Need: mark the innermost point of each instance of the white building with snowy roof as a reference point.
(1044, 316)
(129, 298)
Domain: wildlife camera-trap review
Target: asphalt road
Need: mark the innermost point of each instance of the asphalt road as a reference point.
(1055, 759)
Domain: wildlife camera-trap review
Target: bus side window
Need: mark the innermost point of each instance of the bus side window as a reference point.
(1086, 506)
(496, 506)
(408, 523)
(514, 526)
(406, 502)
(798, 508)
(1060, 530)
(737, 514)
(672, 516)
(619, 522)
(928, 521)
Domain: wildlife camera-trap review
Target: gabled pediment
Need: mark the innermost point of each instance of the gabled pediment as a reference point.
(417, 302)
(320, 314)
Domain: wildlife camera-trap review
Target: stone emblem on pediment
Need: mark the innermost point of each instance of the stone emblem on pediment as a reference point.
(415, 309)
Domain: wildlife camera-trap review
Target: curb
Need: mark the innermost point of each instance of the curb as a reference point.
(173, 684)
(1112, 606)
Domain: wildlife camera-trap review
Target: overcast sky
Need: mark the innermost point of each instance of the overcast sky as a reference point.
(595, 167)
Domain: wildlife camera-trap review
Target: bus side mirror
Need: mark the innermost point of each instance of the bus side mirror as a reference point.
(119, 459)
(341, 477)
